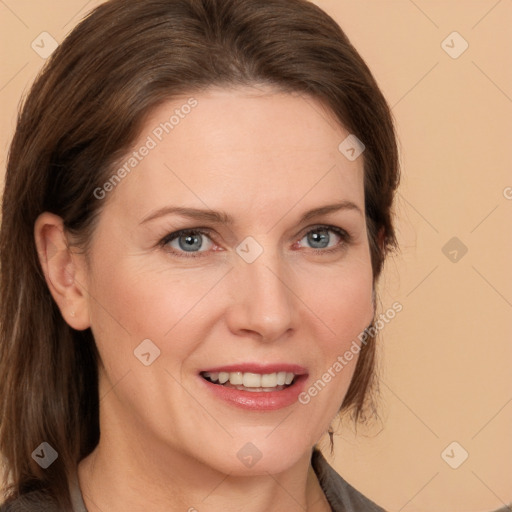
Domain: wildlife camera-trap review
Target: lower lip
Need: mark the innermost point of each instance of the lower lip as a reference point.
(259, 400)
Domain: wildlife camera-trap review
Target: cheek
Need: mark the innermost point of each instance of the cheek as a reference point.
(344, 310)
(132, 302)
(342, 300)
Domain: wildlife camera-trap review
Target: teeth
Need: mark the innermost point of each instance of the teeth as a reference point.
(236, 378)
(252, 380)
(223, 377)
(269, 380)
(281, 378)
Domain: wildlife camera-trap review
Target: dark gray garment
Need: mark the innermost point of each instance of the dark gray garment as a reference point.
(342, 497)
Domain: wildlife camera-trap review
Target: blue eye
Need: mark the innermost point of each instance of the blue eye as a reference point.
(197, 242)
(324, 237)
(191, 241)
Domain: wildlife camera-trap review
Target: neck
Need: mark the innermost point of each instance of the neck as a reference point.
(136, 476)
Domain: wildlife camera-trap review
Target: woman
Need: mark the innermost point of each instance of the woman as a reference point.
(196, 212)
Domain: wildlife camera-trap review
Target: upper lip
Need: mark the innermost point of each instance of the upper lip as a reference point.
(258, 368)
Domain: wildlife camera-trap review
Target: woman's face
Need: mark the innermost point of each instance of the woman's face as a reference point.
(272, 276)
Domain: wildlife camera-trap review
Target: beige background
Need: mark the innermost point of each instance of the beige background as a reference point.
(446, 357)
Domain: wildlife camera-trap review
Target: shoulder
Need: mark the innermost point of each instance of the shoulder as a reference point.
(340, 494)
(35, 501)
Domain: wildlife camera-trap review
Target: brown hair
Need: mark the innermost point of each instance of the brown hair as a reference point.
(82, 113)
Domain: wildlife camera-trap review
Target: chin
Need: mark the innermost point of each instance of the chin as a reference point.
(262, 452)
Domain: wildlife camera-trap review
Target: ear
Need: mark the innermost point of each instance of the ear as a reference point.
(64, 271)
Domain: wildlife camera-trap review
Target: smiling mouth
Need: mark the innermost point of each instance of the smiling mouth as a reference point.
(252, 382)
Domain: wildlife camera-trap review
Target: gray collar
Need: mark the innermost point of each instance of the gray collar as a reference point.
(76, 495)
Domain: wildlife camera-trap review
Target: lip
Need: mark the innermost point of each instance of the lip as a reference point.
(258, 400)
(259, 368)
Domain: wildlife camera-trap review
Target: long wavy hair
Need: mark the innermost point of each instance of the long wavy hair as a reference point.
(82, 113)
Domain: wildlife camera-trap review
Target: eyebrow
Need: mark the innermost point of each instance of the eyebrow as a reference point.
(220, 217)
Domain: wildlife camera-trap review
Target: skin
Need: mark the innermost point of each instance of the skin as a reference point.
(265, 158)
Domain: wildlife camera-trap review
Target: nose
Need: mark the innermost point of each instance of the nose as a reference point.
(263, 304)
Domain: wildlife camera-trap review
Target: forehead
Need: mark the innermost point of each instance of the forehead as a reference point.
(240, 148)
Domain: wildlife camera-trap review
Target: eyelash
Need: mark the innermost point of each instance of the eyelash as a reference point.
(346, 239)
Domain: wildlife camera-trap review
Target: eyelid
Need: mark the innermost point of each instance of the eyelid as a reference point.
(175, 234)
(327, 227)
